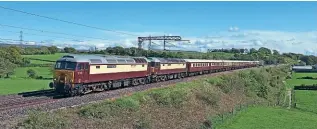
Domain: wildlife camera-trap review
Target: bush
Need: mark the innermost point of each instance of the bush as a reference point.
(31, 73)
(109, 108)
(208, 96)
(127, 103)
(40, 120)
(99, 111)
(173, 97)
(142, 123)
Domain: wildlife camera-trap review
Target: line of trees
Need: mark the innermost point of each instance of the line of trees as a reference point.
(11, 56)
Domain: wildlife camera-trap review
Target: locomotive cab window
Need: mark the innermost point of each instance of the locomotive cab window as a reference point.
(86, 66)
(65, 65)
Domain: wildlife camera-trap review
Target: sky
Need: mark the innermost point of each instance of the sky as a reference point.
(283, 26)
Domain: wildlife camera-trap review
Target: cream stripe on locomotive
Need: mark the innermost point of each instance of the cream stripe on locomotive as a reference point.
(173, 66)
(101, 69)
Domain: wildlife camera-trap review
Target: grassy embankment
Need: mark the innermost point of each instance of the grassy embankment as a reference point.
(301, 117)
(184, 105)
(20, 82)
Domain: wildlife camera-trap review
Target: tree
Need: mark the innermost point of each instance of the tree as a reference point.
(265, 51)
(31, 73)
(253, 50)
(53, 49)
(275, 52)
(6, 67)
(69, 50)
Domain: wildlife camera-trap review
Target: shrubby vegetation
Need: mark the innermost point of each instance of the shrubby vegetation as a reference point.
(185, 105)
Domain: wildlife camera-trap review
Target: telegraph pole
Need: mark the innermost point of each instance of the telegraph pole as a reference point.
(149, 47)
(164, 41)
(21, 37)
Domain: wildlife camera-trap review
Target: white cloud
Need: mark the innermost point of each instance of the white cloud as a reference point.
(297, 42)
(233, 29)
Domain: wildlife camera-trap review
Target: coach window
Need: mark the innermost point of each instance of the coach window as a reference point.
(97, 67)
(111, 66)
(143, 65)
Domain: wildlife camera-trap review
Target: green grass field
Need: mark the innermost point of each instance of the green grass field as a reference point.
(12, 86)
(301, 117)
(21, 72)
(52, 57)
(306, 101)
(296, 82)
(271, 118)
(19, 81)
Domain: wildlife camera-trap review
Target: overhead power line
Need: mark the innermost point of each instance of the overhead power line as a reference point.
(16, 40)
(60, 33)
(70, 22)
(37, 34)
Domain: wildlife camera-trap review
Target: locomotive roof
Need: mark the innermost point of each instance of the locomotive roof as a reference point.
(166, 60)
(103, 59)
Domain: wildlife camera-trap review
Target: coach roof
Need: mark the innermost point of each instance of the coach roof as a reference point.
(103, 59)
(201, 60)
(166, 60)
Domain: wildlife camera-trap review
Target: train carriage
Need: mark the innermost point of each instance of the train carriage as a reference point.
(199, 66)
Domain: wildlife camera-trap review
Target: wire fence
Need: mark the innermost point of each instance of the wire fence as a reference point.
(219, 119)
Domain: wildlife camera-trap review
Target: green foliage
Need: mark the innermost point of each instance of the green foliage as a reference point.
(69, 50)
(140, 107)
(40, 120)
(173, 97)
(53, 49)
(142, 123)
(208, 96)
(108, 108)
(31, 73)
(6, 67)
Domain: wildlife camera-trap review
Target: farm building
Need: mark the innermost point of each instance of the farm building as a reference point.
(307, 68)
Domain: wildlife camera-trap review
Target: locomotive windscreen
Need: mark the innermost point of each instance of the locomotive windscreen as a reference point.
(65, 65)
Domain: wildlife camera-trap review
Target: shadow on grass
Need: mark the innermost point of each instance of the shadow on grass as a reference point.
(43, 92)
(307, 77)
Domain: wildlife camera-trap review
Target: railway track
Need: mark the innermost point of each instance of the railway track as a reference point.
(24, 103)
(25, 99)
